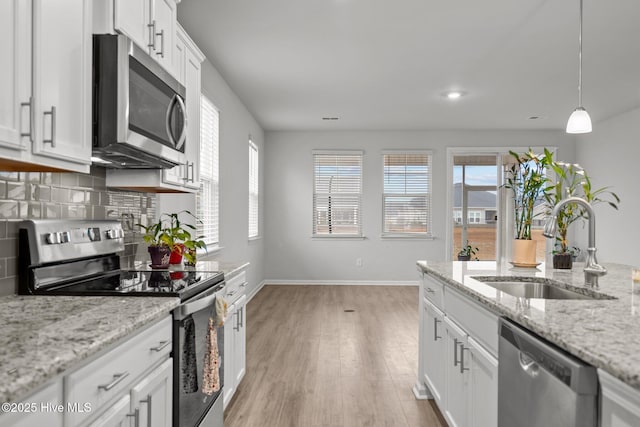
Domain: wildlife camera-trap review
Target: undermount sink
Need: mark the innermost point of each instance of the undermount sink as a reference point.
(537, 287)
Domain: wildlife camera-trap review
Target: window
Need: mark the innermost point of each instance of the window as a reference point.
(207, 199)
(254, 190)
(474, 217)
(337, 193)
(407, 193)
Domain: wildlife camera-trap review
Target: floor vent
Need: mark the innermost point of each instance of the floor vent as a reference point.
(349, 311)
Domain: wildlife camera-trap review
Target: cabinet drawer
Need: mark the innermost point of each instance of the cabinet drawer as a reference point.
(433, 291)
(112, 373)
(481, 324)
(236, 286)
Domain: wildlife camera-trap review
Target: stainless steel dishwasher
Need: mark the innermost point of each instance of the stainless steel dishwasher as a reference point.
(541, 385)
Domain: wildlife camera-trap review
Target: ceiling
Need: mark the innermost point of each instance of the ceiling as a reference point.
(384, 64)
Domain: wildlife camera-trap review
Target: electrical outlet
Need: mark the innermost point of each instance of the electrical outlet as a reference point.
(358, 262)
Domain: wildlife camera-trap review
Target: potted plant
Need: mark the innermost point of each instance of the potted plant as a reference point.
(182, 242)
(527, 181)
(571, 180)
(467, 252)
(160, 244)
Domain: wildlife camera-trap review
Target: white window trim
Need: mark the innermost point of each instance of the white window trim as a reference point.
(257, 236)
(337, 152)
(428, 235)
(212, 246)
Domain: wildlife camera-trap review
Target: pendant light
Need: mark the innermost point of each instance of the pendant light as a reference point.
(579, 121)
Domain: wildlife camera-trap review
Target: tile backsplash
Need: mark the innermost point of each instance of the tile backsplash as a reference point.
(44, 195)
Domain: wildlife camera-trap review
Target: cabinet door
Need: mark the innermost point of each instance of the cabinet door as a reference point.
(192, 149)
(483, 384)
(118, 415)
(434, 351)
(240, 341)
(164, 14)
(131, 17)
(15, 76)
(228, 360)
(38, 406)
(456, 375)
(152, 397)
(62, 79)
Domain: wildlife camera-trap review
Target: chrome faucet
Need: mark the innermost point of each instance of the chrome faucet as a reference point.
(592, 270)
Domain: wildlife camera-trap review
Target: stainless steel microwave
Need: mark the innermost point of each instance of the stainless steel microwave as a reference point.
(139, 114)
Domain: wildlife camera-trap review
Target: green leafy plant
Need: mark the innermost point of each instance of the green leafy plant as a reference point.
(171, 232)
(572, 180)
(527, 181)
(468, 251)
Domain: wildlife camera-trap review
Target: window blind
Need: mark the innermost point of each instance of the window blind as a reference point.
(407, 193)
(207, 199)
(337, 194)
(254, 190)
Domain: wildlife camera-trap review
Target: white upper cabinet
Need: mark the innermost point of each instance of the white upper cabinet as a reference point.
(131, 17)
(163, 21)
(45, 92)
(62, 78)
(151, 24)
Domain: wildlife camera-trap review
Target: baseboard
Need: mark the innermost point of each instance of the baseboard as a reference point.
(340, 282)
(255, 291)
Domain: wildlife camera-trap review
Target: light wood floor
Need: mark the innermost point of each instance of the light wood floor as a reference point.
(312, 363)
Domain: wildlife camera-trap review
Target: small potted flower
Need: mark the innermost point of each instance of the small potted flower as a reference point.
(180, 234)
(467, 252)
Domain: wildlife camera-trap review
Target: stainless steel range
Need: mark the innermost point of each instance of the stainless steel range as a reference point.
(77, 257)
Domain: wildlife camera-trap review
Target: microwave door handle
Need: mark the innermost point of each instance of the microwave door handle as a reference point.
(183, 135)
(176, 100)
(167, 120)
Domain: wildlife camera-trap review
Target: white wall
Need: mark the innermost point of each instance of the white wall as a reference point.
(291, 252)
(610, 155)
(236, 124)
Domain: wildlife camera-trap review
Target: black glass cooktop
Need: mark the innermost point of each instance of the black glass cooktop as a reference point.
(141, 283)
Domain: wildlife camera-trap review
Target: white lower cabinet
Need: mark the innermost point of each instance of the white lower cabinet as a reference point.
(235, 336)
(117, 415)
(151, 398)
(435, 351)
(41, 409)
(483, 379)
(620, 403)
(456, 374)
(458, 356)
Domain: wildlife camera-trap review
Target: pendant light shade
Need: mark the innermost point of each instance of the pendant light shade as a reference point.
(579, 121)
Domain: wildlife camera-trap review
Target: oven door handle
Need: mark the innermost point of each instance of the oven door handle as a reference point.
(189, 308)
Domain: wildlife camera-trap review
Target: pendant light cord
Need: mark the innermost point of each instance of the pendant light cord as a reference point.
(580, 60)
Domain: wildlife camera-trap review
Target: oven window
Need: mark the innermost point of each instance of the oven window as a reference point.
(149, 100)
(193, 402)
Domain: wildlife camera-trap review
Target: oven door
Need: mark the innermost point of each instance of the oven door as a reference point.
(191, 405)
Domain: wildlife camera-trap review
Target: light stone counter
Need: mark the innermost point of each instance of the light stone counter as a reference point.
(42, 336)
(604, 333)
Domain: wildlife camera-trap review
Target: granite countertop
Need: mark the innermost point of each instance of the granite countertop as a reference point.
(602, 332)
(42, 336)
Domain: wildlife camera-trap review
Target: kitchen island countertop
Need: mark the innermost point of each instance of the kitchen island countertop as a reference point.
(43, 336)
(601, 332)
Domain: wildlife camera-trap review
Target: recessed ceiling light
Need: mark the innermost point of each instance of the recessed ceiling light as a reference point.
(454, 94)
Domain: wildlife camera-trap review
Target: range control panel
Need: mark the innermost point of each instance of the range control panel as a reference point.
(60, 240)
